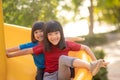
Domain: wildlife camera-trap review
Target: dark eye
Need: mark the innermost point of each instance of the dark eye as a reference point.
(57, 32)
(36, 32)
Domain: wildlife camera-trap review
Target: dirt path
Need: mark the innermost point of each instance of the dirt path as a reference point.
(112, 51)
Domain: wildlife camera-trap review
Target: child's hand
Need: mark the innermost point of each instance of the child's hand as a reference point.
(75, 38)
(8, 54)
(79, 39)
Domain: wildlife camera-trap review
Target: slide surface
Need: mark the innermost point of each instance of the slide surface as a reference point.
(23, 68)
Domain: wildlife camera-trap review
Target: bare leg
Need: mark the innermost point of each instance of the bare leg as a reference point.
(93, 67)
(66, 61)
(81, 64)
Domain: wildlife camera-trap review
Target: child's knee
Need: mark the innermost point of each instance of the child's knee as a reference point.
(62, 58)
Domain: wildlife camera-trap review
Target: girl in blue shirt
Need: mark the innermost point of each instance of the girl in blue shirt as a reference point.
(36, 37)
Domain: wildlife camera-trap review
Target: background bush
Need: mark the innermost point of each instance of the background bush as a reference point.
(94, 40)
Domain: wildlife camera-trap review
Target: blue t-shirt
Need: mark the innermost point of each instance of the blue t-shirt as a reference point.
(38, 59)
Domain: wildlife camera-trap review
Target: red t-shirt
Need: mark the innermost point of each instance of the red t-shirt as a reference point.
(52, 57)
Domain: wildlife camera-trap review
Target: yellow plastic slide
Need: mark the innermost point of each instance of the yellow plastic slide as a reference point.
(18, 68)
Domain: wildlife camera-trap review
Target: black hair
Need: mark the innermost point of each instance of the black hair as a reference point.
(52, 26)
(38, 25)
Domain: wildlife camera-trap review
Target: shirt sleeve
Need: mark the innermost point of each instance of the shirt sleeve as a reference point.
(74, 46)
(38, 49)
(27, 45)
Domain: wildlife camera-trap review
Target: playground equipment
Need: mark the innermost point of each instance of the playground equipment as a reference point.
(23, 68)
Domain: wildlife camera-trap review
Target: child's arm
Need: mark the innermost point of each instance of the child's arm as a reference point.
(75, 38)
(12, 49)
(88, 50)
(20, 53)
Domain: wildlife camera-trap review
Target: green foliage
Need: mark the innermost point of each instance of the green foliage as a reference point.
(102, 74)
(25, 12)
(115, 31)
(95, 40)
(70, 6)
(110, 10)
(100, 39)
(100, 54)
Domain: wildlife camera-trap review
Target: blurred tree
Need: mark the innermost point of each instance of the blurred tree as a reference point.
(71, 7)
(91, 18)
(109, 11)
(75, 7)
(25, 12)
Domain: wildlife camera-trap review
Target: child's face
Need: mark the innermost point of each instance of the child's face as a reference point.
(38, 34)
(54, 37)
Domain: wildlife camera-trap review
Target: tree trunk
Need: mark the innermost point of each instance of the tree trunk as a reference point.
(91, 18)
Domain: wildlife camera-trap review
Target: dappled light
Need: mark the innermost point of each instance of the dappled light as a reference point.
(81, 28)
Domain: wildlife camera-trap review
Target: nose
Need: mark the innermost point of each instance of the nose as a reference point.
(53, 36)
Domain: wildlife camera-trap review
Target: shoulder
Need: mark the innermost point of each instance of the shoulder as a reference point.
(72, 43)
